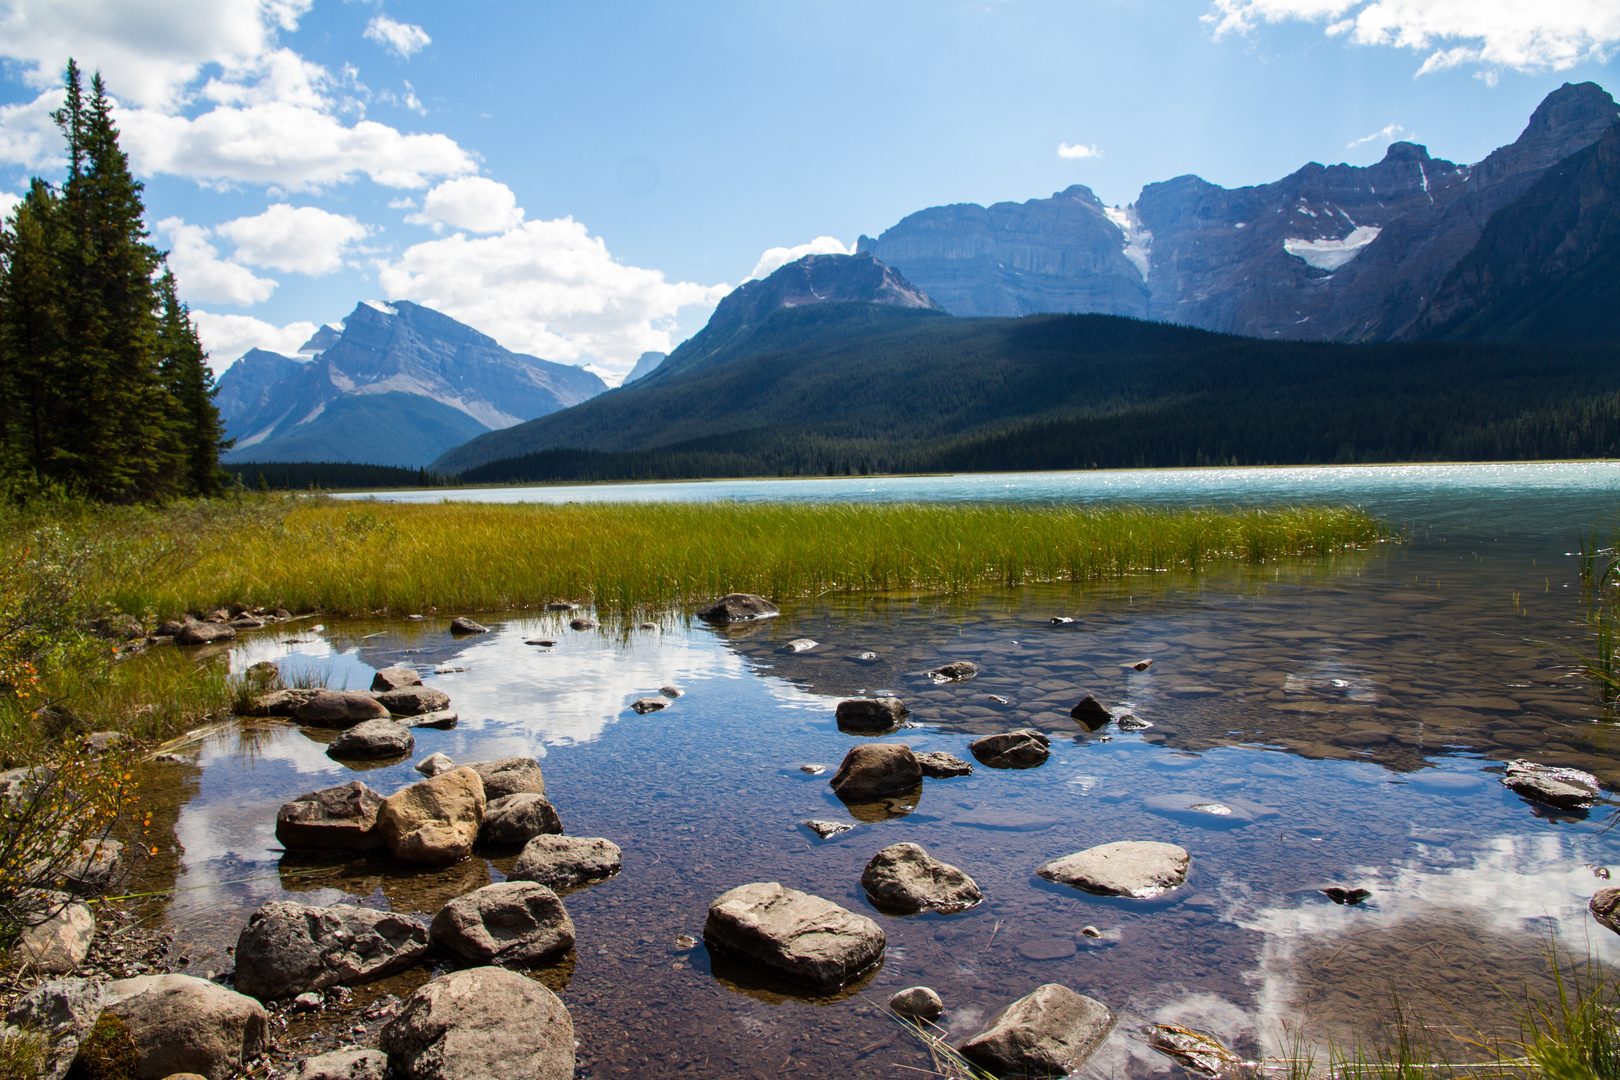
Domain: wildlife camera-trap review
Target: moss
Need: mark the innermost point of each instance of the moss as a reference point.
(107, 1053)
(22, 1056)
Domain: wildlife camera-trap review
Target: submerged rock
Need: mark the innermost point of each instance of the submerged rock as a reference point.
(434, 821)
(463, 625)
(479, 1024)
(801, 938)
(1091, 714)
(181, 1024)
(342, 818)
(738, 607)
(938, 765)
(373, 739)
(905, 878)
(1136, 868)
(393, 678)
(872, 770)
(799, 645)
(514, 820)
(919, 1001)
(339, 708)
(510, 922)
(871, 715)
(510, 776)
(562, 862)
(1048, 1032)
(956, 671)
(826, 830)
(1567, 789)
(288, 949)
(1023, 748)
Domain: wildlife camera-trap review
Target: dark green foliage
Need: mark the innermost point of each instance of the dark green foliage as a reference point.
(107, 1053)
(330, 475)
(198, 434)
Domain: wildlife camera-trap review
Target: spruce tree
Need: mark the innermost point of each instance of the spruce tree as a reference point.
(197, 431)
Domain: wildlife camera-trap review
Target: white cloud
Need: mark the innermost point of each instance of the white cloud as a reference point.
(298, 239)
(407, 100)
(401, 39)
(202, 276)
(1078, 152)
(227, 337)
(548, 288)
(8, 203)
(777, 257)
(1388, 133)
(474, 203)
(1496, 34)
(28, 135)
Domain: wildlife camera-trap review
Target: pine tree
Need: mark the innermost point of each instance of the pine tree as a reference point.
(34, 339)
(196, 428)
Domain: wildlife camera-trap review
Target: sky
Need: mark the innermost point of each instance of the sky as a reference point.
(585, 181)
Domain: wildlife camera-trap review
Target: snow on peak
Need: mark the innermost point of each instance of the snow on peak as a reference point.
(378, 305)
(1332, 254)
(1138, 241)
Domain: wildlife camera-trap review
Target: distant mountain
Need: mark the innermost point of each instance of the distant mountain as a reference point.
(647, 362)
(399, 385)
(1336, 253)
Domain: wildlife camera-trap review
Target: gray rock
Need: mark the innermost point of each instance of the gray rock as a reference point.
(345, 1065)
(442, 719)
(169, 628)
(919, 1001)
(1132, 722)
(873, 770)
(645, 705)
(671, 692)
(1091, 714)
(796, 936)
(510, 922)
(342, 818)
(871, 715)
(904, 878)
(56, 939)
(393, 678)
(414, 700)
(562, 862)
(373, 739)
(463, 625)
(280, 702)
(287, 948)
(92, 867)
(196, 633)
(339, 708)
(1024, 748)
(434, 764)
(1135, 868)
(510, 776)
(62, 1012)
(481, 1024)
(183, 1024)
(1567, 789)
(1605, 908)
(435, 821)
(826, 830)
(956, 671)
(562, 605)
(1048, 1032)
(798, 645)
(738, 607)
(939, 765)
(514, 820)
(582, 624)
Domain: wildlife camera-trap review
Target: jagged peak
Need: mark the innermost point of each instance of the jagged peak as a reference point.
(1571, 105)
(1407, 151)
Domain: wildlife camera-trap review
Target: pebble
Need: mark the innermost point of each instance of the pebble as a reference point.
(308, 1001)
(1091, 931)
(544, 643)
(685, 942)
(827, 829)
(798, 645)
(920, 1001)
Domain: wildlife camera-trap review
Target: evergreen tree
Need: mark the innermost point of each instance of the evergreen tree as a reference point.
(198, 433)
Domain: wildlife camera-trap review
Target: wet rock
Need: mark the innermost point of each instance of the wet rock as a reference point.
(918, 1001)
(1140, 665)
(1567, 789)
(827, 829)
(647, 626)
(514, 820)
(55, 939)
(1024, 748)
(562, 862)
(582, 624)
(344, 1065)
(865, 657)
(1000, 701)
(799, 937)
(373, 739)
(1091, 714)
(1132, 722)
(1340, 895)
(671, 692)
(872, 770)
(508, 923)
(339, 708)
(957, 671)
(871, 715)
(799, 645)
(61, 1012)
(443, 719)
(342, 818)
(184, 1024)
(562, 605)
(393, 678)
(247, 622)
(463, 625)
(434, 821)
(280, 702)
(434, 764)
(738, 607)
(1062, 620)
(904, 878)
(645, 705)
(479, 1024)
(544, 643)
(1048, 1032)
(1091, 931)
(938, 765)
(1605, 908)
(289, 948)
(1135, 868)
(414, 700)
(509, 776)
(195, 633)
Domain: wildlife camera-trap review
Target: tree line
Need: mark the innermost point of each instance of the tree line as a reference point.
(105, 389)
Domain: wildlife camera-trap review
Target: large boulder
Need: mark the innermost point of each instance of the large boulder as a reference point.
(565, 861)
(434, 821)
(393, 678)
(798, 937)
(414, 700)
(203, 633)
(1137, 868)
(1049, 1032)
(514, 820)
(183, 1024)
(1024, 748)
(339, 708)
(873, 770)
(510, 776)
(463, 625)
(56, 938)
(1605, 908)
(373, 739)
(738, 607)
(1566, 789)
(508, 923)
(288, 949)
(905, 879)
(344, 1065)
(485, 1023)
(61, 1012)
(872, 716)
(342, 818)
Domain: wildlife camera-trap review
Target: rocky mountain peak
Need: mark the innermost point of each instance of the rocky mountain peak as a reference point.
(1578, 112)
(822, 279)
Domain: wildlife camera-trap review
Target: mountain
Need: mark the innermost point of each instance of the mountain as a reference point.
(1328, 253)
(644, 364)
(399, 385)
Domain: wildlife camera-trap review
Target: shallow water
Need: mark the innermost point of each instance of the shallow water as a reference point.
(1353, 714)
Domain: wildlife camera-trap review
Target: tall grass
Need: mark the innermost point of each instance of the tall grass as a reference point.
(1600, 588)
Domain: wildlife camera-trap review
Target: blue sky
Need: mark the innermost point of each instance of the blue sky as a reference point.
(584, 181)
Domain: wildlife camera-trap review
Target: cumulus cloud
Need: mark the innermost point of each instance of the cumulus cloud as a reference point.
(202, 276)
(777, 257)
(298, 239)
(402, 39)
(1496, 34)
(1388, 133)
(28, 135)
(8, 203)
(548, 288)
(227, 337)
(474, 203)
(1078, 152)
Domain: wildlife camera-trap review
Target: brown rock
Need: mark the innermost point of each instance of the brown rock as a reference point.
(872, 770)
(413, 700)
(738, 607)
(481, 1024)
(339, 708)
(204, 633)
(510, 776)
(510, 922)
(794, 935)
(185, 1024)
(342, 818)
(434, 821)
(1024, 748)
(393, 678)
(1048, 1032)
(871, 715)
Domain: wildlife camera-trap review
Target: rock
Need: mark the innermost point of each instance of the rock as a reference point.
(1091, 931)
(1340, 895)
(1048, 1032)
(373, 739)
(434, 821)
(582, 624)
(1132, 722)
(1062, 620)
(184, 1024)
(918, 1001)
(798, 645)
(509, 776)
(393, 678)
(904, 878)
(799, 937)
(57, 939)
(339, 708)
(646, 705)
(308, 1001)
(561, 862)
(280, 702)
(956, 671)
(938, 765)
(544, 643)
(1024, 748)
(344, 1065)
(93, 867)
(511, 922)
(1136, 868)
(265, 673)
(169, 628)
(1605, 908)
(342, 818)
(671, 692)
(871, 715)
(1091, 714)
(463, 625)
(413, 700)
(443, 719)
(1140, 665)
(738, 607)
(195, 633)
(828, 829)
(62, 1012)
(1567, 789)
(448, 670)
(246, 622)
(289, 948)
(480, 1024)
(1043, 949)
(514, 820)
(562, 605)
(99, 742)
(434, 764)
(872, 770)
(865, 657)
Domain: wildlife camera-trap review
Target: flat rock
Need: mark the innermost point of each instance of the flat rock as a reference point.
(1023, 748)
(463, 625)
(956, 671)
(393, 678)
(203, 633)
(339, 708)
(1135, 868)
(288, 949)
(938, 765)
(904, 878)
(645, 705)
(60, 1011)
(872, 770)
(510, 922)
(280, 702)
(1605, 908)
(182, 1024)
(1049, 1032)
(509, 776)
(562, 862)
(1091, 714)
(434, 764)
(483, 1023)
(373, 739)
(434, 821)
(1567, 789)
(826, 830)
(871, 715)
(799, 644)
(798, 937)
(55, 940)
(443, 719)
(738, 607)
(918, 1001)
(514, 820)
(414, 700)
(1225, 812)
(353, 1064)
(342, 818)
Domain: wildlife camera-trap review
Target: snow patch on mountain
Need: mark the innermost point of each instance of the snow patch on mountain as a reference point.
(1138, 239)
(1331, 254)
